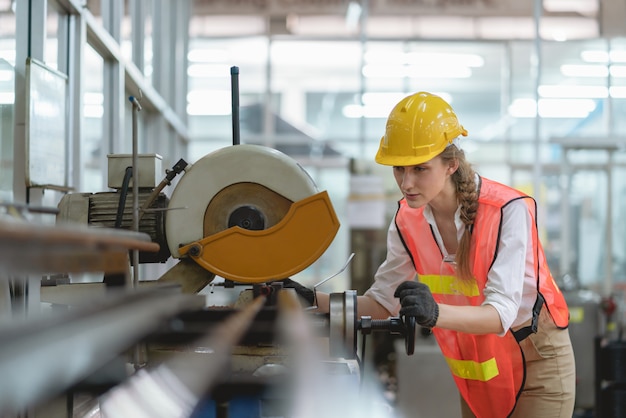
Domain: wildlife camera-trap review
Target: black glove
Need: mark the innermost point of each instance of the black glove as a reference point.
(417, 301)
(302, 291)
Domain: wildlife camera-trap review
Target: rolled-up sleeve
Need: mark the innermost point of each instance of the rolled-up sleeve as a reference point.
(396, 269)
(508, 276)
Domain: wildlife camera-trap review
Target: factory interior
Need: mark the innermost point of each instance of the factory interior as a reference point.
(204, 152)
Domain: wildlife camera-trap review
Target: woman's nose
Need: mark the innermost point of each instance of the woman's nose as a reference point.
(406, 180)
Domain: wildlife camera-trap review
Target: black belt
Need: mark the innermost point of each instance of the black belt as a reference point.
(524, 332)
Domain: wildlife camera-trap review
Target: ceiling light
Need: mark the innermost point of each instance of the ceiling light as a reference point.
(415, 71)
(208, 70)
(569, 70)
(207, 55)
(209, 102)
(382, 98)
(603, 56)
(7, 97)
(6, 75)
(369, 111)
(438, 59)
(93, 111)
(93, 98)
(618, 92)
(566, 108)
(573, 92)
(552, 108)
(618, 71)
(576, 6)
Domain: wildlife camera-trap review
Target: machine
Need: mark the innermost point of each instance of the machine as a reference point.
(253, 216)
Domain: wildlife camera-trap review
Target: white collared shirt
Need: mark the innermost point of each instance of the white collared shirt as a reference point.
(511, 286)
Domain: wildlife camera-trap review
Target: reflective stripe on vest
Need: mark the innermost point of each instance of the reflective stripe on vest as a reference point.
(450, 285)
(474, 370)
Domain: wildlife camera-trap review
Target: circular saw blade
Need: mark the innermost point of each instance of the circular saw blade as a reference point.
(249, 206)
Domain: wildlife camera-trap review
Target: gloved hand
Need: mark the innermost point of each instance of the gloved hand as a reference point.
(302, 291)
(418, 302)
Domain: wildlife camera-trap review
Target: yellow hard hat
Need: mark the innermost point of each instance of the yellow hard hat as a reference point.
(418, 129)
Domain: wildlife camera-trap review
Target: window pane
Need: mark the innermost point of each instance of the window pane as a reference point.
(92, 143)
(7, 99)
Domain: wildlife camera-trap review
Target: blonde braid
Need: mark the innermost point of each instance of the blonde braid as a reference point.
(465, 182)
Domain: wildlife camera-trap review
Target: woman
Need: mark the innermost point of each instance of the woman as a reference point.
(482, 283)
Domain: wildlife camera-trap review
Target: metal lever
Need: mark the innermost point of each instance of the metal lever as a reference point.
(345, 266)
(169, 176)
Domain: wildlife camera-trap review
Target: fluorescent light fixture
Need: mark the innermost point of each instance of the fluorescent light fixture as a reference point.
(208, 70)
(208, 109)
(573, 92)
(207, 55)
(209, 102)
(598, 56)
(93, 111)
(595, 56)
(415, 71)
(435, 59)
(7, 98)
(618, 92)
(387, 71)
(578, 6)
(566, 108)
(593, 70)
(384, 57)
(6, 75)
(618, 71)
(368, 111)
(552, 108)
(445, 59)
(8, 55)
(523, 108)
(618, 56)
(93, 98)
(207, 26)
(569, 70)
(382, 98)
(418, 71)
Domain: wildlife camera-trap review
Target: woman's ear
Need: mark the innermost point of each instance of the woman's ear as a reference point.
(453, 165)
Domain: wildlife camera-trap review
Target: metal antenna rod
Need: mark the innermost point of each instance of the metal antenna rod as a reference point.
(234, 76)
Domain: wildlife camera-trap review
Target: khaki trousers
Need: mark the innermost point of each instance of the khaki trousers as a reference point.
(550, 388)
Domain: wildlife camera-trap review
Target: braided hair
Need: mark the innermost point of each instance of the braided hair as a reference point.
(464, 179)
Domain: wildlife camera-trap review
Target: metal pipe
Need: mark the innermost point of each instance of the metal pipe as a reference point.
(139, 358)
(608, 282)
(537, 171)
(135, 164)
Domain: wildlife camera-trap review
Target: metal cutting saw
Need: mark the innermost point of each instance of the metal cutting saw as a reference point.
(247, 213)
(251, 215)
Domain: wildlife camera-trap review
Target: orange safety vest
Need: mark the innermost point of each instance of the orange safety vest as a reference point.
(488, 370)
